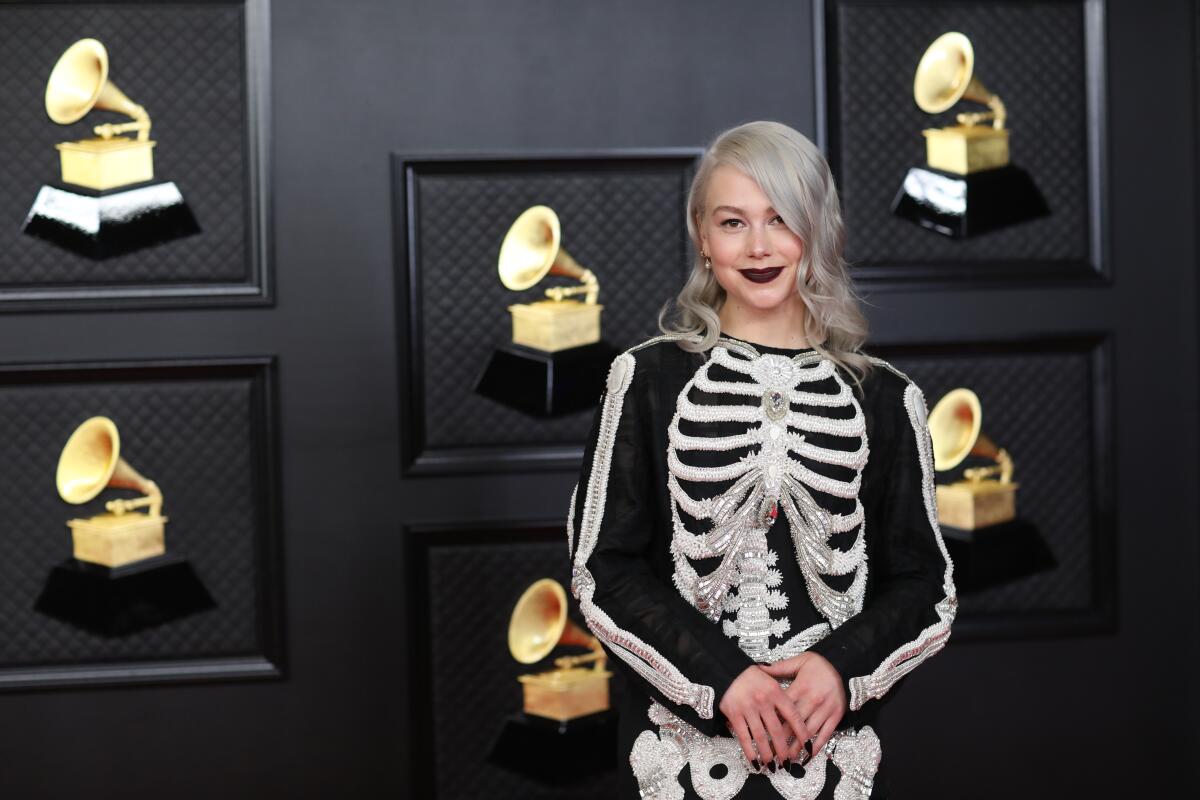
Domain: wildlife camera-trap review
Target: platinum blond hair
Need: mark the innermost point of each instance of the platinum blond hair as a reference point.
(797, 180)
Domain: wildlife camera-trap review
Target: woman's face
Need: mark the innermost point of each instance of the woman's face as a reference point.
(755, 256)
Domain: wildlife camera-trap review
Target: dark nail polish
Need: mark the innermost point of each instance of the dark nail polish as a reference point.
(757, 766)
(771, 766)
(796, 770)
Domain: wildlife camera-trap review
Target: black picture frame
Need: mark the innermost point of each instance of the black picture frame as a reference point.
(257, 288)
(426, 606)
(269, 660)
(901, 272)
(1099, 616)
(417, 456)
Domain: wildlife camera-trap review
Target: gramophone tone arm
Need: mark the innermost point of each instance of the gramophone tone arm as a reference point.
(1004, 467)
(973, 117)
(566, 662)
(597, 657)
(563, 292)
(996, 115)
(588, 286)
(141, 124)
(999, 113)
(153, 499)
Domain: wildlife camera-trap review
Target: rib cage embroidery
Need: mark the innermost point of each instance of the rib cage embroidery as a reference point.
(641, 657)
(772, 476)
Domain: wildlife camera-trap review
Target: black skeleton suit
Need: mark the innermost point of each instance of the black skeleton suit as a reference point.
(742, 506)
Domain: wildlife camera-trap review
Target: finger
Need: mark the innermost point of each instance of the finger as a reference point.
(779, 738)
(742, 733)
(780, 669)
(816, 724)
(826, 730)
(791, 717)
(805, 706)
(762, 746)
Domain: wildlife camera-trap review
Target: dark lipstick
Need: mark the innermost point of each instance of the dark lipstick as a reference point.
(762, 275)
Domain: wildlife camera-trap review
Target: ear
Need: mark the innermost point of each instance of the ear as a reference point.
(701, 233)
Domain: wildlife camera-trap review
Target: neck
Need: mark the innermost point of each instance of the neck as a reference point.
(782, 326)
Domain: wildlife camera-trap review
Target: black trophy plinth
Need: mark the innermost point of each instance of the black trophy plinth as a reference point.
(121, 600)
(997, 554)
(960, 206)
(100, 224)
(546, 384)
(557, 752)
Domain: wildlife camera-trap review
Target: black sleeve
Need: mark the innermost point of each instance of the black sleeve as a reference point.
(684, 661)
(911, 602)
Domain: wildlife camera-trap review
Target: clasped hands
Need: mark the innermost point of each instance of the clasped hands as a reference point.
(779, 726)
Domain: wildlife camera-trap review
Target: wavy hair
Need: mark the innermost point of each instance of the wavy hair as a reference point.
(795, 177)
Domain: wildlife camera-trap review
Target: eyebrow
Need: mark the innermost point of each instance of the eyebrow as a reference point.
(736, 210)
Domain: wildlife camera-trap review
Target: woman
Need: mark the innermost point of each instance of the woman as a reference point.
(754, 534)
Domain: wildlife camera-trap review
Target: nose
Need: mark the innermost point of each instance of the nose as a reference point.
(759, 245)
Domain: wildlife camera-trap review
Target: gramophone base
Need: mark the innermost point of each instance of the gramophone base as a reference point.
(997, 554)
(545, 384)
(565, 694)
(554, 752)
(965, 149)
(969, 505)
(555, 325)
(102, 224)
(117, 602)
(961, 206)
(112, 540)
(107, 163)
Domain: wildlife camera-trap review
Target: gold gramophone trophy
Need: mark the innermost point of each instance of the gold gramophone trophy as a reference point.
(120, 579)
(108, 202)
(91, 462)
(557, 360)
(531, 250)
(968, 186)
(539, 624)
(987, 495)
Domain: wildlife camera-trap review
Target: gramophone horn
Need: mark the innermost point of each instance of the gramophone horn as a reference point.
(945, 76)
(539, 623)
(955, 424)
(91, 461)
(79, 82)
(532, 249)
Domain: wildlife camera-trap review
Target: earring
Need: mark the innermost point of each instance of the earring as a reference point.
(707, 262)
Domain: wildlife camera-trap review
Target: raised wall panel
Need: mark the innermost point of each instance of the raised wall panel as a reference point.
(201, 430)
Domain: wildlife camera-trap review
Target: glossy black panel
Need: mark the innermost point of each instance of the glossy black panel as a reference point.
(100, 225)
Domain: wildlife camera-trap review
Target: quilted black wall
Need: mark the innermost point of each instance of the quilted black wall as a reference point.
(1028, 715)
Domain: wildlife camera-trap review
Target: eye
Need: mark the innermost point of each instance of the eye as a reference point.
(777, 220)
(732, 222)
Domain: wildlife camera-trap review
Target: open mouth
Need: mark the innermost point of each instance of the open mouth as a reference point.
(761, 275)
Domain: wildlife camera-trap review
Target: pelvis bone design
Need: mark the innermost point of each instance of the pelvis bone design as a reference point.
(741, 450)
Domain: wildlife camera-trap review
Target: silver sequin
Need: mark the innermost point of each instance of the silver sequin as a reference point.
(571, 524)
